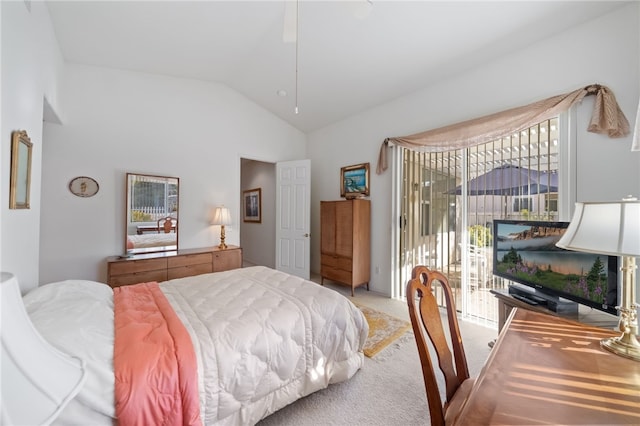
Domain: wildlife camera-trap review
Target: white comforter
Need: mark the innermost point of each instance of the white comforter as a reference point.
(152, 240)
(263, 339)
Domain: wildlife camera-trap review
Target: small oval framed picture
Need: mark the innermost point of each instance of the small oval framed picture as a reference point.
(83, 186)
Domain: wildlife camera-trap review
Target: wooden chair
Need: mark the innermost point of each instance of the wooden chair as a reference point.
(425, 316)
(167, 224)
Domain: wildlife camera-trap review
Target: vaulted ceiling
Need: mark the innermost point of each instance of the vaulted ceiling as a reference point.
(350, 55)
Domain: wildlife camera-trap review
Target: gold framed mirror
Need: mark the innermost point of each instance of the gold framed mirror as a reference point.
(152, 214)
(20, 170)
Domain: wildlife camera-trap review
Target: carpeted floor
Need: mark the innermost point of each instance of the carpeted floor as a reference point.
(389, 389)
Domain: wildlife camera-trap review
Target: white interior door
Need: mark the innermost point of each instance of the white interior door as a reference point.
(293, 227)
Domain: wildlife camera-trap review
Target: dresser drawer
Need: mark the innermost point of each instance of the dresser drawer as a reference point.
(190, 259)
(138, 277)
(336, 274)
(189, 270)
(337, 262)
(227, 259)
(132, 267)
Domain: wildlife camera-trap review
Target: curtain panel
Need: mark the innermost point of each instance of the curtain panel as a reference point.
(606, 118)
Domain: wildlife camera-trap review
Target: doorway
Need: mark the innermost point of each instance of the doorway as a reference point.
(258, 239)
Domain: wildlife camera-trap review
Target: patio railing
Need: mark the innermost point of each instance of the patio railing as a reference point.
(147, 214)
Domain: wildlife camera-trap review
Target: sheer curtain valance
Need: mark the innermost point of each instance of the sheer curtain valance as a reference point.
(607, 117)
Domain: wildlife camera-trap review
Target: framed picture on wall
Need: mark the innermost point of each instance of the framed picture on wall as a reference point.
(354, 181)
(20, 184)
(252, 199)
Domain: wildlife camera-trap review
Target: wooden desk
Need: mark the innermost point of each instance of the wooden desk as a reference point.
(547, 370)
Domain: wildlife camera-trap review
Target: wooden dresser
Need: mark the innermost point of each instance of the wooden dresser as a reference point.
(345, 233)
(171, 265)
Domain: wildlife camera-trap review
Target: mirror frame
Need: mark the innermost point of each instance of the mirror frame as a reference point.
(151, 225)
(20, 188)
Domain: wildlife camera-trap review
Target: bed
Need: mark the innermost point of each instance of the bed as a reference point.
(151, 240)
(262, 339)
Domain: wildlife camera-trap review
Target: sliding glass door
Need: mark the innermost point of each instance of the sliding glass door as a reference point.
(449, 200)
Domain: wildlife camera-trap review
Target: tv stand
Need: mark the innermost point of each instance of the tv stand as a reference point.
(583, 314)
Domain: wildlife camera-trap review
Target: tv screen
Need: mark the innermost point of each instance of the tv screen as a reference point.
(525, 252)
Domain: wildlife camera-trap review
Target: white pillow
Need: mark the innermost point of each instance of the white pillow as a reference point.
(76, 316)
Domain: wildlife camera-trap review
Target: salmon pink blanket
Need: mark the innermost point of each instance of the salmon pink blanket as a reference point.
(154, 361)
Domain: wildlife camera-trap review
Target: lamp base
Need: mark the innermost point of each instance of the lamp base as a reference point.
(626, 346)
(222, 245)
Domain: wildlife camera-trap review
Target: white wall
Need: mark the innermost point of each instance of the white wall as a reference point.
(258, 240)
(118, 122)
(31, 71)
(605, 50)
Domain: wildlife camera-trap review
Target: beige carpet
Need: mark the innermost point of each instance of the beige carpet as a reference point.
(387, 390)
(383, 330)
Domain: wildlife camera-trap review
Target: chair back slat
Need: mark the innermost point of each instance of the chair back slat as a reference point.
(426, 321)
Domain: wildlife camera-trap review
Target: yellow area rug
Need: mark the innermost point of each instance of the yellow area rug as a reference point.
(383, 330)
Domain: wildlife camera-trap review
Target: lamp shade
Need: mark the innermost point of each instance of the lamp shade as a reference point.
(611, 228)
(221, 216)
(38, 380)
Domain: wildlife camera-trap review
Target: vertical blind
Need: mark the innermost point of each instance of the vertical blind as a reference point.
(449, 200)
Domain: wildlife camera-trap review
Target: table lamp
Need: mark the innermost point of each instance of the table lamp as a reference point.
(612, 228)
(222, 217)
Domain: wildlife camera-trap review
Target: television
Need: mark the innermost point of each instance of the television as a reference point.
(525, 252)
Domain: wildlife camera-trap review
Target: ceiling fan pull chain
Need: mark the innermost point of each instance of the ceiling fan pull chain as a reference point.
(295, 110)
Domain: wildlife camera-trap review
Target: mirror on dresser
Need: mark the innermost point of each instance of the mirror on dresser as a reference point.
(151, 214)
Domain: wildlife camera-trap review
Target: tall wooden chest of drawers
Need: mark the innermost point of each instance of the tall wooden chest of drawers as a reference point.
(345, 234)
